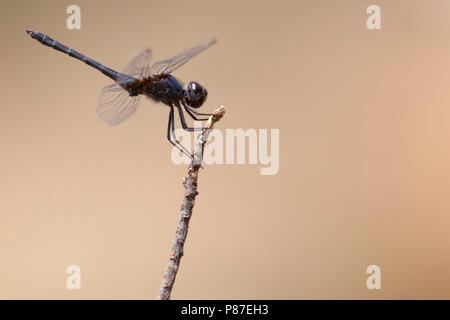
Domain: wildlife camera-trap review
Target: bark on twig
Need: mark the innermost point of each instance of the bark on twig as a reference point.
(190, 192)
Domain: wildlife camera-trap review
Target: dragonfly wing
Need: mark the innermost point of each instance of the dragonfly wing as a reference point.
(172, 64)
(138, 67)
(115, 104)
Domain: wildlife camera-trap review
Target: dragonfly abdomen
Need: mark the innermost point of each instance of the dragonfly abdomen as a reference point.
(47, 41)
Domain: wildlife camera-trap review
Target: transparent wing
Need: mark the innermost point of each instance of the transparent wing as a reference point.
(138, 67)
(115, 104)
(171, 64)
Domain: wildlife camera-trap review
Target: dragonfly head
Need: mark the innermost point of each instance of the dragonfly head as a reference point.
(195, 95)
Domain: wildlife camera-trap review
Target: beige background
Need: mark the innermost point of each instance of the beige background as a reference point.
(364, 152)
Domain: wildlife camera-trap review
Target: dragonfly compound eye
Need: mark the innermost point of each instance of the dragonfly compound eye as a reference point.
(196, 94)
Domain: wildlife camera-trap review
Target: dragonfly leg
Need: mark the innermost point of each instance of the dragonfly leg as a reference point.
(192, 112)
(171, 129)
(183, 121)
(193, 116)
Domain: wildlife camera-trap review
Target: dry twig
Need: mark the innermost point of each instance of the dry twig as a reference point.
(190, 192)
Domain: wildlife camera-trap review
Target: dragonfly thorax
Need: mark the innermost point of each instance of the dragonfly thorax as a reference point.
(163, 88)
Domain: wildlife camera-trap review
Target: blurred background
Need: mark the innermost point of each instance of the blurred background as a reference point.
(364, 152)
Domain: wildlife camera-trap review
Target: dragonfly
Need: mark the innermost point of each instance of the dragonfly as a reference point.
(119, 101)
